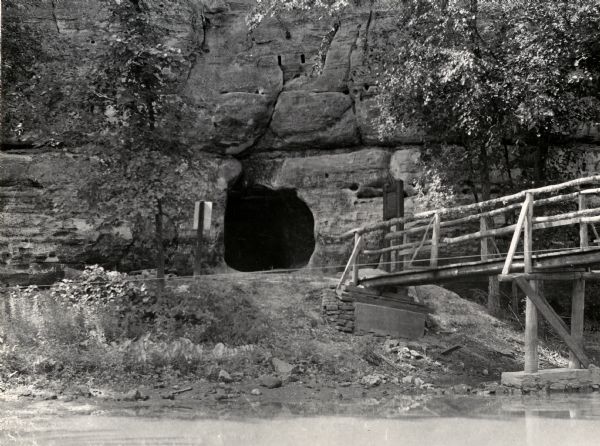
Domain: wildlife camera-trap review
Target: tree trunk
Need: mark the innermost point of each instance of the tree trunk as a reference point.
(160, 248)
(493, 302)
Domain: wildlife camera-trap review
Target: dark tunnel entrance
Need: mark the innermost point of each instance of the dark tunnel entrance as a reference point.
(267, 229)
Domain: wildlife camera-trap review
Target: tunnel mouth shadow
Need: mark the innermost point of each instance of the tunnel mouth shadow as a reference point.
(267, 229)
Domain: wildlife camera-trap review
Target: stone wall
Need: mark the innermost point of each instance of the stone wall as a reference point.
(338, 311)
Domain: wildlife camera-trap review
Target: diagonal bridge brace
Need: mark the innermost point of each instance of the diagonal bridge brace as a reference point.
(554, 319)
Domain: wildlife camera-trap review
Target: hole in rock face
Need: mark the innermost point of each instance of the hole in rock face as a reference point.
(267, 229)
(302, 58)
(279, 60)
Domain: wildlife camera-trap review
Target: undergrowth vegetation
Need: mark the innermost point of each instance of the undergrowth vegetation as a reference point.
(106, 323)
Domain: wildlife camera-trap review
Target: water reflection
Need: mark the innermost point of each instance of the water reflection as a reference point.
(530, 420)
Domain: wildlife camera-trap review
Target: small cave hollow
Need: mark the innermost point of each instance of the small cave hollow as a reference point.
(267, 229)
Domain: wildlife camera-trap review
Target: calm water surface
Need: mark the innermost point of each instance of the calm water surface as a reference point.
(544, 420)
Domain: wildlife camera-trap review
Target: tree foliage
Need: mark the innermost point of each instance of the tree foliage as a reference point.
(146, 170)
(483, 77)
(487, 73)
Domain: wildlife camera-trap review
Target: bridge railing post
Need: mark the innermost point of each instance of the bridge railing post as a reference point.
(352, 265)
(525, 209)
(484, 240)
(583, 227)
(357, 243)
(435, 240)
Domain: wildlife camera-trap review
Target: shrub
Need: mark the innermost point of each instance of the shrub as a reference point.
(105, 322)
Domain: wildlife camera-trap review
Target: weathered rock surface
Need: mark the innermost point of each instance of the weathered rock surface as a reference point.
(254, 95)
(37, 234)
(332, 186)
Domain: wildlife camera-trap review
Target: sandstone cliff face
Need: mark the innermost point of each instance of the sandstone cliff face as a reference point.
(261, 112)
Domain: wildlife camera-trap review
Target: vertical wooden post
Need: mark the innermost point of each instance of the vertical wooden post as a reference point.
(484, 240)
(202, 221)
(356, 261)
(393, 207)
(578, 293)
(400, 214)
(531, 317)
(405, 258)
(493, 300)
(198, 219)
(385, 256)
(583, 227)
(435, 239)
(393, 254)
(577, 304)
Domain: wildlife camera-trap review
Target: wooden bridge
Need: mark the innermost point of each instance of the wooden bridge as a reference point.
(552, 237)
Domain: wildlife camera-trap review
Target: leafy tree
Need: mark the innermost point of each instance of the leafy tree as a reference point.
(145, 168)
(490, 80)
(483, 73)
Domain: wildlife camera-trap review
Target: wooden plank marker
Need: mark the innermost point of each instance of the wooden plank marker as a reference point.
(393, 208)
(202, 222)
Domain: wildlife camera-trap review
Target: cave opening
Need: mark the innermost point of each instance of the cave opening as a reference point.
(267, 229)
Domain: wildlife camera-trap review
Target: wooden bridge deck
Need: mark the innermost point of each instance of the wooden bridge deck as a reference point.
(561, 261)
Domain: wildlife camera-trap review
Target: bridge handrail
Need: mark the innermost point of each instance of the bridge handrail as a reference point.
(483, 206)
(486, 234)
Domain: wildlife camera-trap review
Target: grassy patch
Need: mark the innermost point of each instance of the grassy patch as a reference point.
(105, 325)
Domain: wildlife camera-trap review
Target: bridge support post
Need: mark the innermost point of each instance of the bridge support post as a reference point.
(578, 294)
(531, 316)
(577, 304)
(531, 335)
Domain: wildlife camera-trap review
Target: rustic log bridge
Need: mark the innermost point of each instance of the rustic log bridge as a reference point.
(526, 267)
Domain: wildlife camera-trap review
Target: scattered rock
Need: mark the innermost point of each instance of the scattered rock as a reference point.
(219, 350)
(407, 379)
(225, 377)
(461, 389)
(270, 381)
(345, 384)
(371, 380)
(134, 395)
(392, 346)
(256, 392)
(415, 354)
(485, 372)
(418, 382)
(283, 368)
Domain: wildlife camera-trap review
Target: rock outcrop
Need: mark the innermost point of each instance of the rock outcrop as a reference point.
(289, 105)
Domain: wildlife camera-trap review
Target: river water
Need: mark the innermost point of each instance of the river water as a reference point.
(528, 420)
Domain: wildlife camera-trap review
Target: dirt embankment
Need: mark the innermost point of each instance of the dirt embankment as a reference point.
(294, 355)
